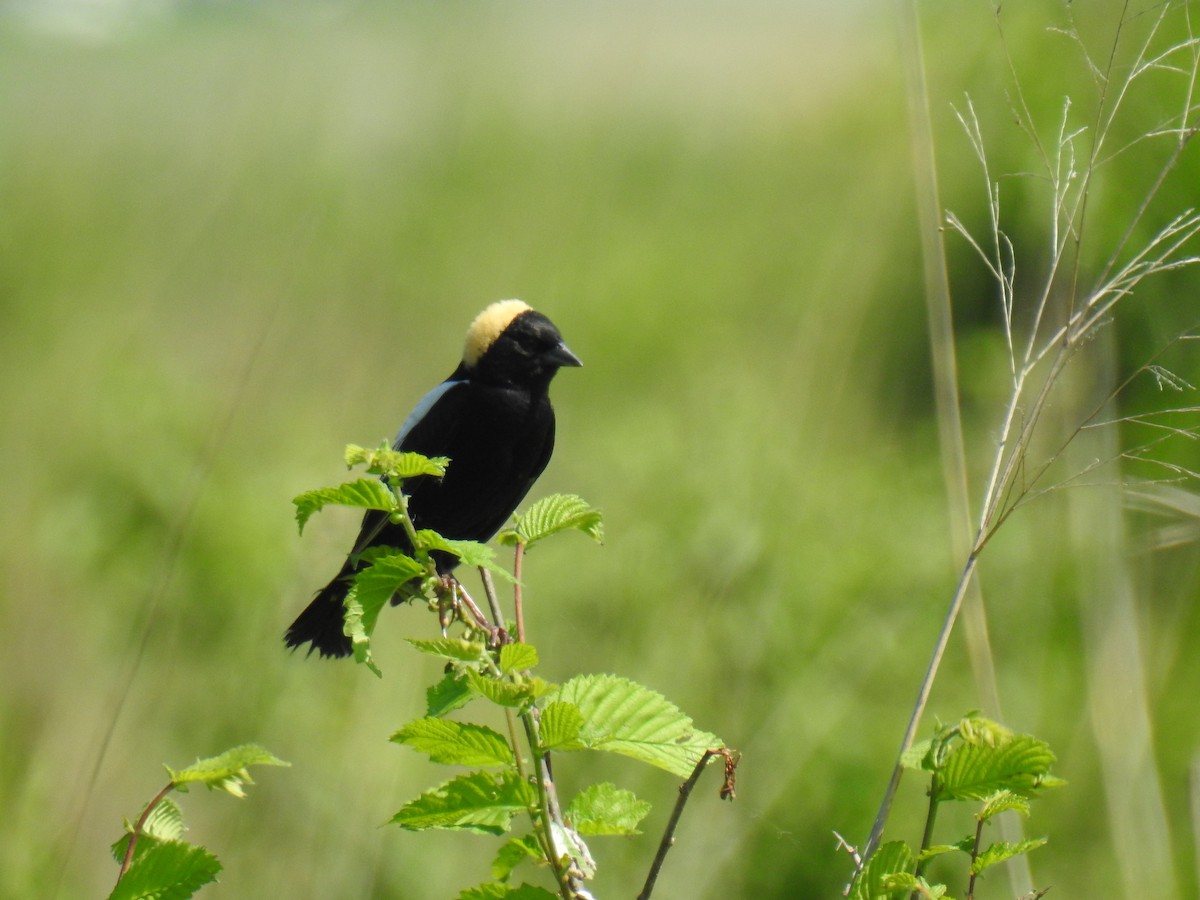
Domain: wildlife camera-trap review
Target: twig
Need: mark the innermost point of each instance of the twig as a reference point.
(489, 588)
(127, 861)
(974, 857)
(914, 720)
(518, 608)
(685, 790)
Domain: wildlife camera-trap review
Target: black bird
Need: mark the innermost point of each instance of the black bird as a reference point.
(493, 419)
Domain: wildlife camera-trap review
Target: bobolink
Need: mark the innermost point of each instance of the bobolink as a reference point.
(493, 419)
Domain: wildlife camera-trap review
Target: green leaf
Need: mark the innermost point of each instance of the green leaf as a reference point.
(355, 623)
(518, 657)
(469, 553)
(1020, 764)
(606, 809)
(394, 463)
(942, 849)
(892, 858)
(513, 853)
(559, 726)
(1001, 801)
(621, 716)
(365, 493)
(479, 801)
(449, 694)
(381, 579)
(504, 892)
(165, 823)
(1003, 850)
(226, 771)
(455, 743)
(170, 870)
(502, 693)
(918, 756)
(550, 515)
(450, 648)
(914, 885)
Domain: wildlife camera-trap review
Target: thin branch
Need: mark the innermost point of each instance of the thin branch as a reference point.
(127, 861)
(685, 790)
(518, 604)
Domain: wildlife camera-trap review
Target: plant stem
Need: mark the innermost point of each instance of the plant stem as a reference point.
(975, 856)
(918, 710)
(548, 809)
(668, 838)
(518, 609)
(930, 819)
(489, 588)
(138, 826)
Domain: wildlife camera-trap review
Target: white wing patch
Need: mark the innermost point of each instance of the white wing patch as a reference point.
(422, 409)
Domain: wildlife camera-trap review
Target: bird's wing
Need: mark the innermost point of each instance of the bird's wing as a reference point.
(439, 395)
(419, 433)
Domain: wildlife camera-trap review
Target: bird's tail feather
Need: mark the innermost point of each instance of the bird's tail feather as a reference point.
(321, 622)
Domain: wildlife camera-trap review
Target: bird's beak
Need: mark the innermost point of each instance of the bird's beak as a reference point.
(562, 356)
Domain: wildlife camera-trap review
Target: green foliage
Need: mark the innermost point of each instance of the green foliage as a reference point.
(155, 863)
(607, 809)
(554, 514)
(168, 870)
(480, 801)
(621, 716)
(512, 853)
(504, 892)
(227, 772)
(455, 743)
(872, 881)
(973, 760)
(395, 464)
(590, 712)
(364, 493)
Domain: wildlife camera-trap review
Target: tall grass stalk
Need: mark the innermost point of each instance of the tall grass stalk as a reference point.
(1062, 315)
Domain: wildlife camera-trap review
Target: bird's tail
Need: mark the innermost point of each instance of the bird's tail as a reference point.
(321, 622)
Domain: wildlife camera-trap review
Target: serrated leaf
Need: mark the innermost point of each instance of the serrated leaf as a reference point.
(169, 870)
(976, 729)
(165, 823)
(455, 743)
(380, 580)
(942, 849)
(606, 809)
(1003, 850)
(918, 756)
(450, 648)
(502, 693)
(621, 716)
(973, 771)
(892, 858)
(479, 801)
(504, 892)
(550, 515)
(449, 694)
(395, 463)
(914, 885)
(355, 622)
(226, 771)
(559, 726)
(1002, 801)
(518, 657)
(469, 553)
(513, 853)
(365, 493)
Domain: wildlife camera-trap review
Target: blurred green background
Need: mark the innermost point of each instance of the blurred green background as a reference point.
(235, 237)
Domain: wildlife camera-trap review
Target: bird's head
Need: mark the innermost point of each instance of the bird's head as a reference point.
(511, 343)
